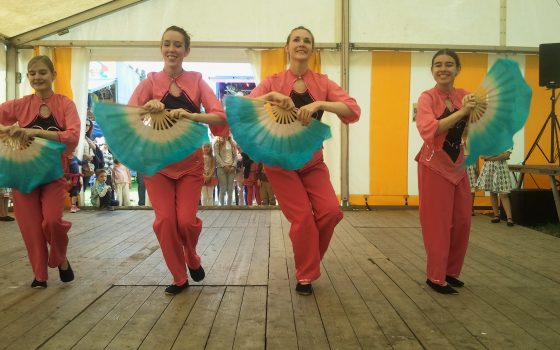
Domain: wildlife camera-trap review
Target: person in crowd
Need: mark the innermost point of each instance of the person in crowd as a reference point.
(90, 160)
(250, 180)
(445, 195)
(267, 195)
(141, 188)
(472, 173)
(122, 182)
(51, 116)
(306, 195)
(108, 164)
(101, 192)
(74, 178)
(225, 154)
(5, 195)
(239, 178)
(209, 174)
(495, 178)
(175, 190)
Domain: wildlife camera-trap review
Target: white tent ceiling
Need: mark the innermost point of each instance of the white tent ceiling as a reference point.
(23, 21)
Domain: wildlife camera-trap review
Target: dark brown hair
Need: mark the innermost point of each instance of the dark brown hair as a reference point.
(301, 27)
(449, 53)
(186, 36)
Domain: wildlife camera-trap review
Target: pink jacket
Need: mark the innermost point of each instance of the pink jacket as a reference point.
(157, 85)
(431, 106)
(320, 87)
(24, 110)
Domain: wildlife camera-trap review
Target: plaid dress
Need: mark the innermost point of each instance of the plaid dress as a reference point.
(495, 177)
(472, 172)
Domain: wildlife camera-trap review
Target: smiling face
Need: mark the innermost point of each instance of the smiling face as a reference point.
(40, 77)
(444, 70)
(300, 45)
(173, 49)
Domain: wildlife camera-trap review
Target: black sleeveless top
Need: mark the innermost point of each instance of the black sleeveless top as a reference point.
(304, 98)
(42, 123)
(452, 143)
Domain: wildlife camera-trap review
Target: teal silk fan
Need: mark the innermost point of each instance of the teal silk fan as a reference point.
(148, 142)
(503, 101)
(272, 135)
(24, 165)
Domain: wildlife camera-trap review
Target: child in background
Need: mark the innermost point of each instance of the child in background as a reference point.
(210, 179)
(100, 191)
(122, 183)
(74, 178)
(267, 195)
(496, 179)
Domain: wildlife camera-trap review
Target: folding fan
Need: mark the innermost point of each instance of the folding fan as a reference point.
(272, 135)
(502, 107)
(27, 164)
(148, 142)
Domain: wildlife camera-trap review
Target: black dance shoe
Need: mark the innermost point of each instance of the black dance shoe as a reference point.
(304, 289)
(66, 275)
(454, 282)
(175, 289)
(198, 274)
(447, 289)
(38, 284)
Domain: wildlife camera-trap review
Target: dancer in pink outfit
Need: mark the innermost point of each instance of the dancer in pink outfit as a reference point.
(306, 195)
(445, 194)
(175, 190)
(54, 117)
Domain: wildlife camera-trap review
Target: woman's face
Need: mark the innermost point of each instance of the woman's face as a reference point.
(40, 77)
(88, 125)
(300, 45)
(173, 49)
(206, 148)
(444, 70)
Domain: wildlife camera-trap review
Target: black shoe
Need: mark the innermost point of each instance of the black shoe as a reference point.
(447, 289)
(454, 282)
(510, 222)
(304, 289)
(6, 218)
(495, 220)
(109, 208)
(38, 285)
(198, 274)
(66, 275)
(175, 289)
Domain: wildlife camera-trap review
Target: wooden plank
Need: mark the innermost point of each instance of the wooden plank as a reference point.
(196, 330)
(104, 331)
(222, 335)
(135, 330)
(164, 333)
(280, 323)
(78, 327)
(251, 326)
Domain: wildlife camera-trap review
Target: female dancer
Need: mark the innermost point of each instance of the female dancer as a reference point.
(443, 184)
(306, 195)
(175, 190)
(54, 117)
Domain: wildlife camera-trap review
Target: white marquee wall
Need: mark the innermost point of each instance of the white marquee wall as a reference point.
(429, 22)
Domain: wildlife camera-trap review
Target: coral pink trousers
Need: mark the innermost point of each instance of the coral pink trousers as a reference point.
(445, 217)
(175, 203)
(307, 199)
(39, 217)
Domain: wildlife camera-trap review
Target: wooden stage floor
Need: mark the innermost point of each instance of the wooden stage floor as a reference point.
(371, 293)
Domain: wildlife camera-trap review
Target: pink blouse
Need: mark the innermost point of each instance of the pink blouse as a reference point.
(24, 110)
(320, 87)
(431, 106)
(156, 86)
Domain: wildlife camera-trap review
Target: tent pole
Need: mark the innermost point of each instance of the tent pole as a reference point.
(344, 81)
